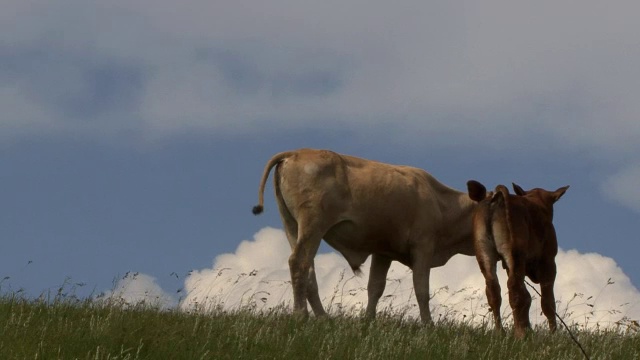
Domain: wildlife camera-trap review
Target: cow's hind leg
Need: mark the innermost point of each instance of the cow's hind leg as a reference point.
(377, 282)
(291, 229)
(487, 262)
(301, 261)
(547, 300)
(313, 294)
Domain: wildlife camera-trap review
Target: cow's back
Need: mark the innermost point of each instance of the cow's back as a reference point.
(350, 186)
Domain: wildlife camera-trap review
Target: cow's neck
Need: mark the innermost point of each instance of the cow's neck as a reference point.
(457, 209)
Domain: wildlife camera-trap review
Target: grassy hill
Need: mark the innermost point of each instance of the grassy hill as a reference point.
(86, 329)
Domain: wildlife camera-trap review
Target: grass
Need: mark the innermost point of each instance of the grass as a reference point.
(63, 326)
(71, 328)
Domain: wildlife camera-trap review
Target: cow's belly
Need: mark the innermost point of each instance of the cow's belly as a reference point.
(356, 243)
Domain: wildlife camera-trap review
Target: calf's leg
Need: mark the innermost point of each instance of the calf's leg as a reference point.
(547, 299)
(487, 262)
(519, 298)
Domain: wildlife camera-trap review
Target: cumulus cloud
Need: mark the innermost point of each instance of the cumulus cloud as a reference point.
(591, 290)
(138, 289)
(623, 187)
(486, 72)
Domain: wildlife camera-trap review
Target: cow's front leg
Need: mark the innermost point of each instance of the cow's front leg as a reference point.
(421, 273)
(377, 282)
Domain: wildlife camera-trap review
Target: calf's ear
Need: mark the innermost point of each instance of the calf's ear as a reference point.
(518, 190)
(558, 193)
(477, 191)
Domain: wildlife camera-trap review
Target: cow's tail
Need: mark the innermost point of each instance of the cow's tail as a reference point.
(277, 158)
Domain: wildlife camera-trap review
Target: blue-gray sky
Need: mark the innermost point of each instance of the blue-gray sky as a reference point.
(133, 133)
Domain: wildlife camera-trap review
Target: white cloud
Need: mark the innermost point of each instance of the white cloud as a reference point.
(138, 289)
(590, 288)
(623, 188)
(498, 72)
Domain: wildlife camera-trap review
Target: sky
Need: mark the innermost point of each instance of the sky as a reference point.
(134, 133)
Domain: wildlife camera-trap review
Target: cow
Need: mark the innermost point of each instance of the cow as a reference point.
(360, 208)
(518, 230)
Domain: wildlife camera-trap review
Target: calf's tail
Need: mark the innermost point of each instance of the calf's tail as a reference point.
(501, 199)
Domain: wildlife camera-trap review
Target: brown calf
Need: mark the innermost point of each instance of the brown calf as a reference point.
(518, 230)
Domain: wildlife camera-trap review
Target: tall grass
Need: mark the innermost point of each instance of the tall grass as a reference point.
(61, 325)
(71, 328)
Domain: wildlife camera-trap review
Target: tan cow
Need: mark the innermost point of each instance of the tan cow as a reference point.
(361, 208)
(518, 230)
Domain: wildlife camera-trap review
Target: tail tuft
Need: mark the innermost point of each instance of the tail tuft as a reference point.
(257, 209)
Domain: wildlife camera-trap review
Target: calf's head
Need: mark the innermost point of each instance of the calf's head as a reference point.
(541, 197)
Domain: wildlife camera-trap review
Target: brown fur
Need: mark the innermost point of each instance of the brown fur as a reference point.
(518, 230)
(361, 208)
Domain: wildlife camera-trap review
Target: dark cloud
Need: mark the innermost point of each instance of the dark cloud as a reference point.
(516, 77)
(83, 87)
(278, 72)
(431, 68)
